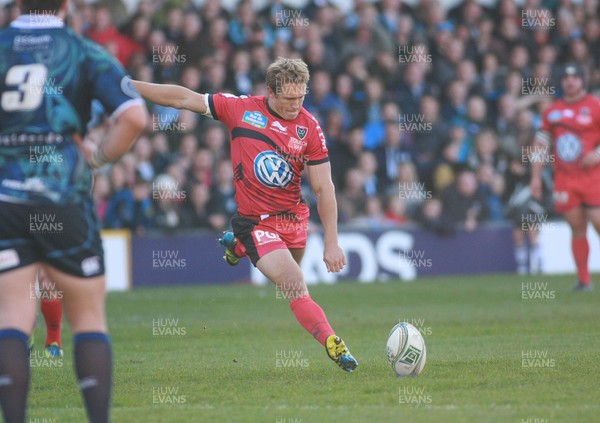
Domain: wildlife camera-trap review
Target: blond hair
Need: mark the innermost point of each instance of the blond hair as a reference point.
(283, 71)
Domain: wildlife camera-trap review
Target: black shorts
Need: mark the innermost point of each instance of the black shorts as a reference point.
(66, 237)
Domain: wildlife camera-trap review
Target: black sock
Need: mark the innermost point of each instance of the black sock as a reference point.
(14, 374)
(93, 364)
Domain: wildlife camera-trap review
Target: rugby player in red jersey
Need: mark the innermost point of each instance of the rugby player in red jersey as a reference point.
(571, 130)
(272, 139)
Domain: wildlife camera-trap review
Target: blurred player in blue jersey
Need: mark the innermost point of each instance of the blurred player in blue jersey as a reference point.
(48, 78)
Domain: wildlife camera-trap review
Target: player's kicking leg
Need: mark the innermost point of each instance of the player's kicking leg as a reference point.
(281, 268)
(234, 250)
(577, 220)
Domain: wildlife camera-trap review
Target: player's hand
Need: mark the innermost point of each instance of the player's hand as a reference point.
(535, 185)
(87, 149)
(591, 159)
(334, 258)
(93, 154)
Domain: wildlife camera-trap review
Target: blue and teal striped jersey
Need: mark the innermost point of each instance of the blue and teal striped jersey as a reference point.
(48, 78)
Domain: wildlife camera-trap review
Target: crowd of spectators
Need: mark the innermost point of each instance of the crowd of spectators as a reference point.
(427, 112)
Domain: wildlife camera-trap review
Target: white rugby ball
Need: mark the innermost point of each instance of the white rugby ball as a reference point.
(406, 350)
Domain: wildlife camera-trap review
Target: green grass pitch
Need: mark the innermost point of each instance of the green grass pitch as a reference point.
(501, 348)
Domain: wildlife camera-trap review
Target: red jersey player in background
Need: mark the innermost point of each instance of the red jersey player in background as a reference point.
(571, 128)
(272, 139)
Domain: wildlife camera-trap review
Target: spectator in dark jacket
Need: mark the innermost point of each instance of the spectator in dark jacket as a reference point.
(222, 206)
(463, 206)
(119, 213)
(345, 155)
(195, 214)
(430, 140)
(391, 153)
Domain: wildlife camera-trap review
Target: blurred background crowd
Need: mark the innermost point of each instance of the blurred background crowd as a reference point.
(428, 112)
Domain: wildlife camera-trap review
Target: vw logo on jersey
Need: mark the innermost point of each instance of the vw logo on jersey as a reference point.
(568, 147)
(272, 170)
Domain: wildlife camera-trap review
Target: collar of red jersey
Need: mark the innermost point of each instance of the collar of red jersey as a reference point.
(37, 22)
(273, 112)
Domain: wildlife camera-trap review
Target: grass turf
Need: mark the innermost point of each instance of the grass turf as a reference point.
(497, 352)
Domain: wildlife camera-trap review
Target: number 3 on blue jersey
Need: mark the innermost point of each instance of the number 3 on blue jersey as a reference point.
(29, 81)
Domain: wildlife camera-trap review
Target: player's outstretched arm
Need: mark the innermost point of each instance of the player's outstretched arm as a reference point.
(121, 135)
(322, 185)
(172, 96)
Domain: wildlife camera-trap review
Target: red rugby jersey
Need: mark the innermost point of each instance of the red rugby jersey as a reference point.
(268, 153)
(574, 129)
